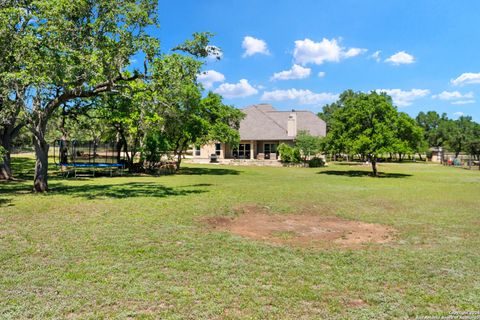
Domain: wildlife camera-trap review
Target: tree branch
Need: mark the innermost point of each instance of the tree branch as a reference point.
(80, 92)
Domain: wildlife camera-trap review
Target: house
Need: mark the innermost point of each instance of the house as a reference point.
(261, 131)
(436, 154)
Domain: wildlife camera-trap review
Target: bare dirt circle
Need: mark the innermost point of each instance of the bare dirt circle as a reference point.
(306, 230)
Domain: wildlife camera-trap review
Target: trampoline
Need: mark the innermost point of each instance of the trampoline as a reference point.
(87, 158)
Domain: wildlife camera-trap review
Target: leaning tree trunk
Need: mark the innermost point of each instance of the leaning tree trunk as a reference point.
(5, 167)
(179, 156)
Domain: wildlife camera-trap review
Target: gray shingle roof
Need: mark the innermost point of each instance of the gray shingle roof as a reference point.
(264, 122)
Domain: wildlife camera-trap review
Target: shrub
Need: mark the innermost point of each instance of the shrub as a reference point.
(155, 147)
(307, 144)
(289, 154)
(316, 162)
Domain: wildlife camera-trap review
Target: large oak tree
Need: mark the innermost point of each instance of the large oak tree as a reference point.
(365, 124)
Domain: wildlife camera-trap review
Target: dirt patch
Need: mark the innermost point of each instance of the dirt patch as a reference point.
(356, 303)
(302, 230)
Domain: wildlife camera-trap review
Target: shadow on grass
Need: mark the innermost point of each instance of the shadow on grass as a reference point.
(94, 191)
(15, 186)
(345, 163)
(198, 185)
(361, 173)
(23, 167)
(126, 190)
(208, 171)
(5, 202)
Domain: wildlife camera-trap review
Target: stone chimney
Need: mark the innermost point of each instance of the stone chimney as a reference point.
(292, 124)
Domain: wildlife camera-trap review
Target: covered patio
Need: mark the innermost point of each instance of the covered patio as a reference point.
(254, 150)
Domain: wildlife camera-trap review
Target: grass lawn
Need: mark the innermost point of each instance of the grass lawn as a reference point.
(136, 247)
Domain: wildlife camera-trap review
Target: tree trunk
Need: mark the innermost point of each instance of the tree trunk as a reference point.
(118, 147)
(373, 160)
(9, 133)
(178, 162)
(420, 156)
(5, 166)
(63, 148)
(124, 144)
(40, 183)
(9, 129)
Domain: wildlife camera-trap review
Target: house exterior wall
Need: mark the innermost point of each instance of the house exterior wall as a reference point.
(207, 150)
(257, 149)
(437, 154)
(264, 124)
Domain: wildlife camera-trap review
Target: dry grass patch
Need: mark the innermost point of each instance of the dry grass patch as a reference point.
(305, 229)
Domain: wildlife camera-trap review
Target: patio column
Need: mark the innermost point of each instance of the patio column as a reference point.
(252, 150)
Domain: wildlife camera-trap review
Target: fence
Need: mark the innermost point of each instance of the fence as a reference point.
(462, 161)
(22, 149)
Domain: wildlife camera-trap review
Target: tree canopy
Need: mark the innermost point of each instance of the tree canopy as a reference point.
(368, 124)
(307, 144)
(72, 61)
(431, 122)
(187, 117)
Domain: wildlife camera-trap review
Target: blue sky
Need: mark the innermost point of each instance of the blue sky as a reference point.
(302, 54)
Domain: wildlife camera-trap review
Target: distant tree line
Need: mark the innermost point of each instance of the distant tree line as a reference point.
(369, 126)
(460, 135)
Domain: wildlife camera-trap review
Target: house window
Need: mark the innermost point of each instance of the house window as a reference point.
(218, 148)
(270, 148)
(242, 152)
(197, 151)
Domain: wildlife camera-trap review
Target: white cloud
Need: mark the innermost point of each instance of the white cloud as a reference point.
(308, 51)
(322, 74)
(452, 95)
(376, 56)
(236, 90)
(353, 52)
(463, 101)
(209, 77)
(305, 97)
(296, 72)
(466, 78)
(253, 46)
(401, 57)
(458, 114)
(403, 98)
